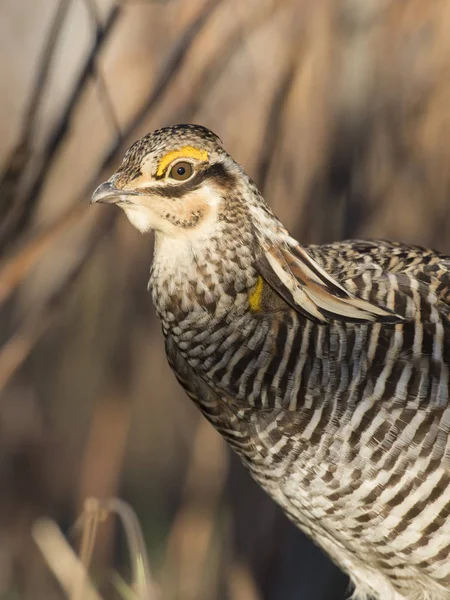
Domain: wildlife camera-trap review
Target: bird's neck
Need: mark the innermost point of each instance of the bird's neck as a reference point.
(213, 276)
(203, 278)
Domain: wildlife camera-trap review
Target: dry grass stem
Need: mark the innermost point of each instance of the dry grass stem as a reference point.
(97, 511)
(142, 583)
(62, 560)
(92, 516)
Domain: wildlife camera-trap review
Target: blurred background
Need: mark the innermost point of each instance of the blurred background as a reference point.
(341, 113)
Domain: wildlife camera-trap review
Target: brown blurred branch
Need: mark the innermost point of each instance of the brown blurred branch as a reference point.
(224, 54)
(170, 69)
(58, 135)
(23, 206)
(16, 268)
(267, 153)
(102, 87)
(14, 170)
(44, 69)
(17, 349)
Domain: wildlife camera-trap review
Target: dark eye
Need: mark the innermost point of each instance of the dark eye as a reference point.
(181, 171)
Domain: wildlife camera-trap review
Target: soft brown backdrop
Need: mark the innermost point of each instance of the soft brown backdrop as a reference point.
(339, 110)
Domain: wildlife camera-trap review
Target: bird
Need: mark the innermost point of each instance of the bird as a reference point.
(325, 367)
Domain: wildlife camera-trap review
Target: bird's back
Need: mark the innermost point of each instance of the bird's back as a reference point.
(347, 261)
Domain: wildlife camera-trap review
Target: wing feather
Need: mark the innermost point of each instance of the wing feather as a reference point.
(310, 290)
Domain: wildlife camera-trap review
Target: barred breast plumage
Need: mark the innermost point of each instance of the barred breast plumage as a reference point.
(326, 368)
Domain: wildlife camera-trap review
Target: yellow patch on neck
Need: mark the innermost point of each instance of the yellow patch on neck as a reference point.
(256, 294)
(186, 152)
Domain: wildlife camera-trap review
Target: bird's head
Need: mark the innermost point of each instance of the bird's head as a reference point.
(175, 181)
(219, 239)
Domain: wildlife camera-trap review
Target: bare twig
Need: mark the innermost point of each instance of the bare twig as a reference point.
(62, 128)
(24, 210)
(44, 68)
(272, 128)
(102, 88)
(18, 348)
(12, 176)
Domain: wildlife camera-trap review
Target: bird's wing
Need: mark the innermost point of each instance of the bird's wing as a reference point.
(362, 266)
(310, 290)
(413, 283)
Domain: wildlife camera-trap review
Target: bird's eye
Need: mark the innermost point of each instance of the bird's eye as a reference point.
(181, 171)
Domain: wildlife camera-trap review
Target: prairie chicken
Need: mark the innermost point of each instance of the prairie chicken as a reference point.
(326, 368)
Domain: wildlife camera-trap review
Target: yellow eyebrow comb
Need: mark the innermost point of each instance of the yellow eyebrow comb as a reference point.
(185, 152)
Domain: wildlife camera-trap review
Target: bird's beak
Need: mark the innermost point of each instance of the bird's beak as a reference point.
(107, 194)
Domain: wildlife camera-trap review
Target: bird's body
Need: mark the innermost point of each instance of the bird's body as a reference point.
(325, 368)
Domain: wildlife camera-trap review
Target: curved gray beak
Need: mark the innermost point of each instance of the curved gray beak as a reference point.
(106, 193)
